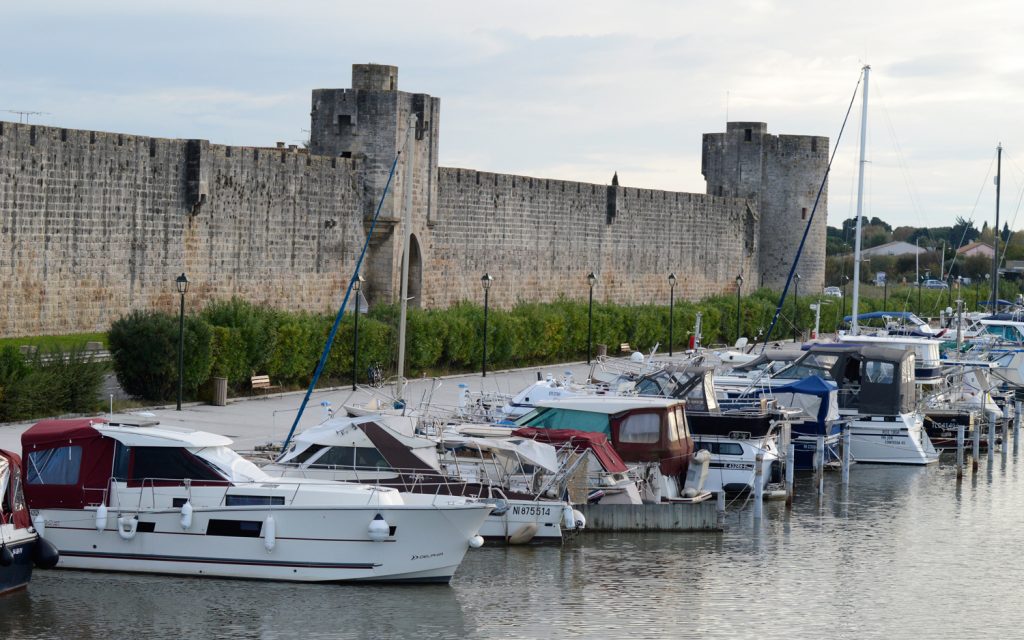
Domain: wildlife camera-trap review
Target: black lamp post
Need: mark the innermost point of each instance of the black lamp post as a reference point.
(796, 306)
(671, 307)
(485, 282)
(182, 283)
(739, 286)
(356, 286)
(591, 280)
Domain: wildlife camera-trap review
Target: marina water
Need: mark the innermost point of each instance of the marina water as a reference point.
(903, 552)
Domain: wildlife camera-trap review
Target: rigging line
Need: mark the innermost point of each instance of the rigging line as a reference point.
(344, 302)
(1006, 242)
(901, 160)
(810, 218)
(974, 209)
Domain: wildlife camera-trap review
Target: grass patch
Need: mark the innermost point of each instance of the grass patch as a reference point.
(55, 343)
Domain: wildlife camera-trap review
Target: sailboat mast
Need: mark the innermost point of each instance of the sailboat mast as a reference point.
(993, 307)
(860, 202)
(410, 159)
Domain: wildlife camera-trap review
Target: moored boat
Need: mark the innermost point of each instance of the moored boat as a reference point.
(18, 540)
(130, 495)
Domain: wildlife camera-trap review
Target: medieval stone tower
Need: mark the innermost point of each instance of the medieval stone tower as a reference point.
(779, 177)
(368, 124)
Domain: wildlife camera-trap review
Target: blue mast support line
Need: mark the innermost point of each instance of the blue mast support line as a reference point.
(810, 220)
(341, 311)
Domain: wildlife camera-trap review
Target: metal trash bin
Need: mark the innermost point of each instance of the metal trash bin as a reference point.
(220, 392)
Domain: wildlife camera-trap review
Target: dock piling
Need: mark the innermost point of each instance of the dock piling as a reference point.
(975, 446)
(819, 464)
(959, 451)
(1016, 426)
(790, 464)
(846, 454)
(758, 486)
(992, 438)
(720, 509)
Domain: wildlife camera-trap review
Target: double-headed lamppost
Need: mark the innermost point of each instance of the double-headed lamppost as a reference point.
(591, 280)
(182, 283)
(671, 307)
(796, 306)
(739, 287)
(357, 284)
(485, 282)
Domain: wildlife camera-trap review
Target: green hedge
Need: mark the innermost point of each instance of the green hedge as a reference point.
(236, 339)
(49, 383)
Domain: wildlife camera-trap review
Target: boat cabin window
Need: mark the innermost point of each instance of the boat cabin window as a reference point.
(554, 418)
(649, 387)
(677, 425)
(641, 427)
(168, 463)
(308, 453)
(719, 448)
(352, 457)
(879, 372)
(54, 466)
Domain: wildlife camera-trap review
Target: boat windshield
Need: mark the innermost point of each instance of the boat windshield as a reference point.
(813, 364)
(555, 418)
(234, 467)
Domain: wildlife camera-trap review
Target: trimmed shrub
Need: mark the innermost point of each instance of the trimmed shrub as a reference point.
(144, 347)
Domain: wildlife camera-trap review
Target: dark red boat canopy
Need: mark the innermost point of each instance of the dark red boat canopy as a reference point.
(596, 442)
(14, 500)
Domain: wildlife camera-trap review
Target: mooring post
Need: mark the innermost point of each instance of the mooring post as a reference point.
(1004, 447)
(1016, 426)
(720, 508)
(975, 446)
(790, 464)
(959, 451)
(846, 454)
(758, 486)
(819, 461)
(992, 438)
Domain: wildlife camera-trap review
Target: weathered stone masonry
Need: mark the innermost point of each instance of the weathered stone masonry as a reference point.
(93, 225)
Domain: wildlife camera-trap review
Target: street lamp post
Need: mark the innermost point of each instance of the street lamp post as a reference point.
(739, 287)
(356, 286)
(796, 306)
(182, 283)
(671, 308)
(591, 280)
(485, 282)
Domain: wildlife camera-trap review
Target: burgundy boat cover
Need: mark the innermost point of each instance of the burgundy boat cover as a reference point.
(596, 442)
(18, 516)
(97, 460)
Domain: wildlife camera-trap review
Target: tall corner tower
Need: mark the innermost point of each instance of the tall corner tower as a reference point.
(368, 125)
(780, 177)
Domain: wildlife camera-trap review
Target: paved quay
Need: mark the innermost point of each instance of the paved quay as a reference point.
(257, 420)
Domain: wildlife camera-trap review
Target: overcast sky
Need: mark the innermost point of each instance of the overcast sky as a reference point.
(563, 89)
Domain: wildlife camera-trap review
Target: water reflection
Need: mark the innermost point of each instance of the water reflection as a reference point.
(899, 552)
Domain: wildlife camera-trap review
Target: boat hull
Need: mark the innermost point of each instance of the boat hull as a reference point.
(427, 544)
(21, 543)
(891, 440)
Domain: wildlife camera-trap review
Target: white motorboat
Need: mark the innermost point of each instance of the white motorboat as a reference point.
(130, 495)
(385, 451)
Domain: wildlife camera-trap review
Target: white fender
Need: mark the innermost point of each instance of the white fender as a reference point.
(101, 517)
(269, 533)
(379, 529)
(39, 524)
(581, 520)
(523, 534)
(186, 515)
(127, 527)
(476, 541)
(568, 521)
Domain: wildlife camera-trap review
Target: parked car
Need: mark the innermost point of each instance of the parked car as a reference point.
(935, 284)
(834, 292)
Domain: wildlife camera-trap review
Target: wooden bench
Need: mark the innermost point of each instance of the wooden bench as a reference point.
(624, 348)
(262, 383)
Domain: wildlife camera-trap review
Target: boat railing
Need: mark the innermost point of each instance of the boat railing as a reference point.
(408, 479)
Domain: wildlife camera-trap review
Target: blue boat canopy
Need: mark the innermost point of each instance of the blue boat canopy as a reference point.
(878, 315)
(823, 409)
